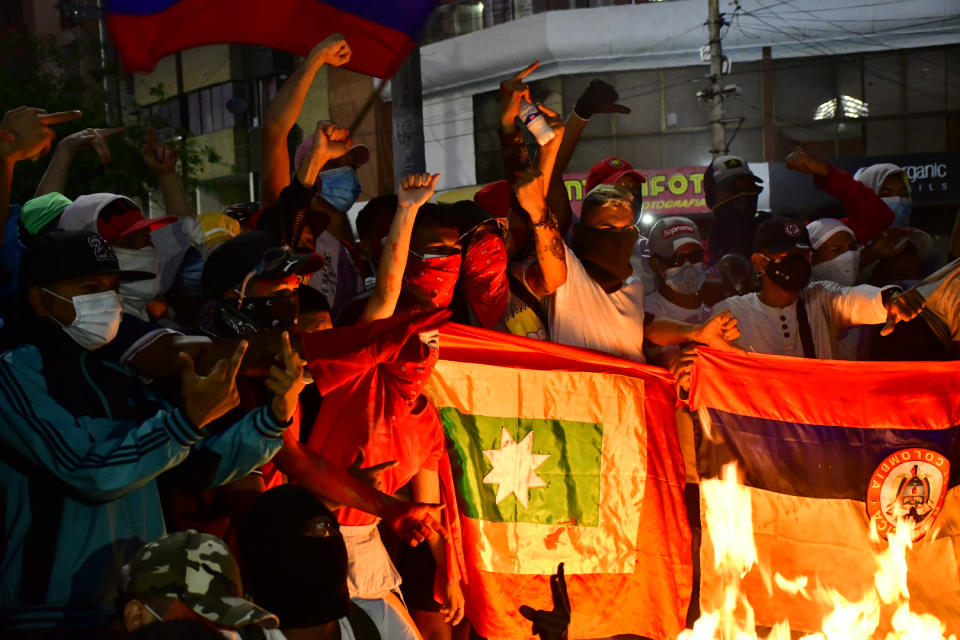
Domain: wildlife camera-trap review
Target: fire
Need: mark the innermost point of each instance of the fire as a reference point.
(728, 517)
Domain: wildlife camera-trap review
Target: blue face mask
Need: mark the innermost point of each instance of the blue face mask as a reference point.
(901, 210)
(340, 187)
(189, 278)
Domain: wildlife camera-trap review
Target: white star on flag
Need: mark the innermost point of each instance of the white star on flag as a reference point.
(514, 467)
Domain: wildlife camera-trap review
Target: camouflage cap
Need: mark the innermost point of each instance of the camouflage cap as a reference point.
(199, 570)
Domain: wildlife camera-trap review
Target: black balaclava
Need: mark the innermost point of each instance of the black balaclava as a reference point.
(302, 579)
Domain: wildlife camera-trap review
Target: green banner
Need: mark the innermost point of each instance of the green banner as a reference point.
(524, 470)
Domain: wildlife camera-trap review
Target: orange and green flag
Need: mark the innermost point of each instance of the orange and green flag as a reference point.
(564, 455)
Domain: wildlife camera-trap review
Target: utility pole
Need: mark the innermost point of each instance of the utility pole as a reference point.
(406, 96)
(717, 129)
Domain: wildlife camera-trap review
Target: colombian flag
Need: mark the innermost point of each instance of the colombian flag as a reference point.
(826, 446)
(381, 33)
(564, 455)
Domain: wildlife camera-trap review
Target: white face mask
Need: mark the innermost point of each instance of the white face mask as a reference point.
(135, 296)
(97, 318)
(842, 269)
(686, 279)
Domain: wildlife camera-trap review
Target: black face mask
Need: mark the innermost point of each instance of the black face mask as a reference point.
(739, 208)
(300, 578)
(258, 314)
(605, 253)
(306, 581)
(791, 273)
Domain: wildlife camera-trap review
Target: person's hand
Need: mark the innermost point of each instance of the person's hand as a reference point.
(160, 157)
(332, 50)
(512, 90)
(414, 522)
(96, 139)
(415, 190)
(719, 331)
(801, 160)
(681, 366)
(902, 308)
(599, 97)
(287, 383)
(531, 186)
(372, 475)
(453, 603)
(890, 242)
(27, 132)
(206, 398)
(331, 141)
(552, 625)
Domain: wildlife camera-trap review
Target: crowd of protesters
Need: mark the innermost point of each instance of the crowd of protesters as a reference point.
(210, 421)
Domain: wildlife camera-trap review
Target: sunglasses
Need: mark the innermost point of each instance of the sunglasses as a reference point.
(694, 257)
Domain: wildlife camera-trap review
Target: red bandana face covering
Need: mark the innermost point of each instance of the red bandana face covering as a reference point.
(434, 277)
(485, 278)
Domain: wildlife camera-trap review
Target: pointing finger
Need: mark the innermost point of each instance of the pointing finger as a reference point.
(527, 71)
(60, 116)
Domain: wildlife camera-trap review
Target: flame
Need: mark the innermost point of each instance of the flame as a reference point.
(728, 517)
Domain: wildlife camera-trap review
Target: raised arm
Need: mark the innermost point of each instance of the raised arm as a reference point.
(598, 97)
(284, 111)
(24, 133)
(162, 160)
(413, 192)
(55, 177)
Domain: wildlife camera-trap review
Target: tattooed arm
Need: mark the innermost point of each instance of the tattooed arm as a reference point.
(549, 272)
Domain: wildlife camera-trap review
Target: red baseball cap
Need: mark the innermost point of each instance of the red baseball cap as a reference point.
(112, 216)
(494, 198)
(609, 170)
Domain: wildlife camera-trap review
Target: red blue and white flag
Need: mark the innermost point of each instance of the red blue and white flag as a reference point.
(825, 447)
(381, 33)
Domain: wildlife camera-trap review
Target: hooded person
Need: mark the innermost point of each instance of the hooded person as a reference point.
(892, 185)
(295, 564)
(732, 191)
(121, 223)
(99, 440)
(792, 316)
(836, 255)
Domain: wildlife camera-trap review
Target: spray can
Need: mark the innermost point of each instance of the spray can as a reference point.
(535, 123)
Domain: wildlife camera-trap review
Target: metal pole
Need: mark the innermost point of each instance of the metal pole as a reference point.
(717, 129)
(406, 96)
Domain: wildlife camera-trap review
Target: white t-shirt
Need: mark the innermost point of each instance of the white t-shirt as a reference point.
(582, 314)
(831, 308)
(391, 624)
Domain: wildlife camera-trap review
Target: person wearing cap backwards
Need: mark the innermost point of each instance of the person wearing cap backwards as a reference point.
(186, 576)
(121, 223)
(83, 440)
(295, 564)
(255, 281)
(731, 190)
(792, 316)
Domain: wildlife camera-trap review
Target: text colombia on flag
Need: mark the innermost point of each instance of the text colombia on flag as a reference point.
(381, 33)
(825, 446)
(564, 455)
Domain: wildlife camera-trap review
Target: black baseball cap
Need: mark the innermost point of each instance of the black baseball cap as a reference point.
(59, 255)
(781, 234)
(255, 252)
